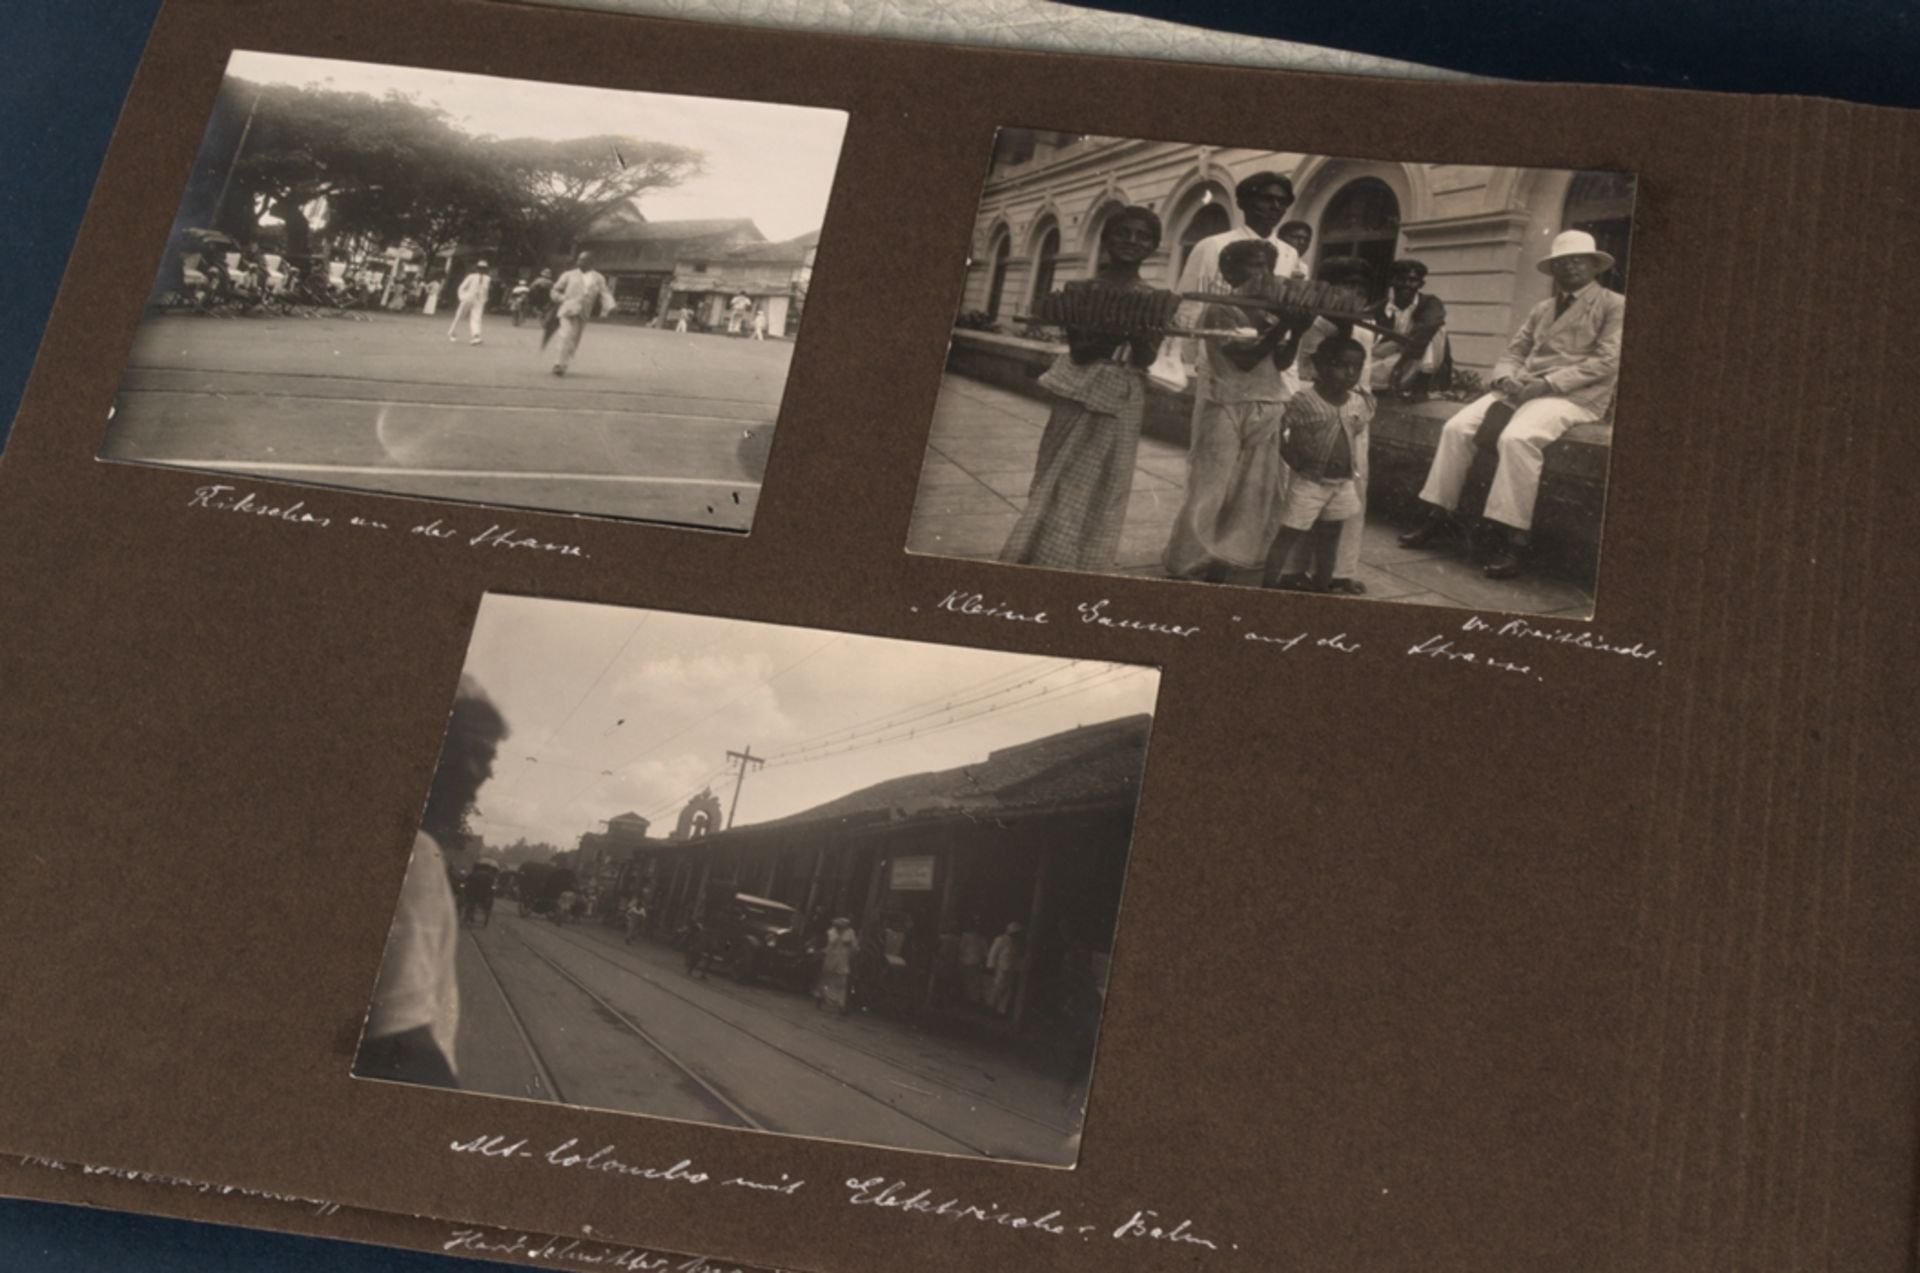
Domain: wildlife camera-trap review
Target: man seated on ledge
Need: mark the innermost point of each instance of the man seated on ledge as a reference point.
(1559, 370)
(1414, 360)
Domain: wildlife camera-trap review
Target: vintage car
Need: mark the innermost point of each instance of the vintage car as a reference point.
(758, 937)
(540, 887)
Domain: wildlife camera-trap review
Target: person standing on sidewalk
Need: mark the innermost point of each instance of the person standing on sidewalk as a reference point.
(1083, 473)
(473, 292)
(1323, 443)
(973, 963)
(1003, 960)
(1234, 474)
(836, 965)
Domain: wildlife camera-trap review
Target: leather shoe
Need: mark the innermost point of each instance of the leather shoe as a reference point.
(1423, 534)
(1506, 566)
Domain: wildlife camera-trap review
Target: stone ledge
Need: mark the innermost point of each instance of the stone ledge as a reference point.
(1016, 363)
(1572, 487)
(1582, 453)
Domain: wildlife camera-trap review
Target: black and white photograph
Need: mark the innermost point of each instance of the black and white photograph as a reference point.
(774, 878)
(1368, 378)
(463, 287)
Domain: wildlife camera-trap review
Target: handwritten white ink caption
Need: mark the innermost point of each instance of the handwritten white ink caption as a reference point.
(318, 1206)
(220, 498)
(1143, 1224)
(1439, 648)
(974, 605)
(579, 1252)
(1444, 649)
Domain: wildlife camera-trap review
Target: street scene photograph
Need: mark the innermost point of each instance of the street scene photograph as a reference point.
(497, 291)
(1365, 378)
(774, 878)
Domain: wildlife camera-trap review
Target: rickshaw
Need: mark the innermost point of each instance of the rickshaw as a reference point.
(195, 272)
(476, 893)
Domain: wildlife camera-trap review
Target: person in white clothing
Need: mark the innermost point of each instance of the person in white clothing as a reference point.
(579, 295)
(1263, 199)
(1299, 235)
(1352, 272)
(415, 1013)
(473, 292)
(1559, 370)
(1003, 961)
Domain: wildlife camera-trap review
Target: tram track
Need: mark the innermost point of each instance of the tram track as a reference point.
(542, 1074)
(730, 1113)
(596, 949)
(736, 1114)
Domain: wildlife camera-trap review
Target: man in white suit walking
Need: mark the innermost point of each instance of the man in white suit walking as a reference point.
(473, 302)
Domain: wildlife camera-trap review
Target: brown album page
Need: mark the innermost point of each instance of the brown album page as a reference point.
(854, 655)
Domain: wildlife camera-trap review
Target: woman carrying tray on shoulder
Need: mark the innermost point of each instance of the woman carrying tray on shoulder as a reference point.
(1077, 502)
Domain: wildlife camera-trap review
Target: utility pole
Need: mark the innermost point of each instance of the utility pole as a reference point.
(745, 758)
(220, 205)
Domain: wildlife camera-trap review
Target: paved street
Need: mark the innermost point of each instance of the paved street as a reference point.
(647, 424)
(572, 1014)
(980, 461)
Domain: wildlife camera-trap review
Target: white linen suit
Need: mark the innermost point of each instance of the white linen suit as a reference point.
(473, 303)
(1576, 352)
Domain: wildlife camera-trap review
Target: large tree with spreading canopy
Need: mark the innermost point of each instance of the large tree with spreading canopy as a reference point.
(562, 187)
(392, 169)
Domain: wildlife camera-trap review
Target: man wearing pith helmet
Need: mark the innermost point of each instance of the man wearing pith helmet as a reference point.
(1558, 371)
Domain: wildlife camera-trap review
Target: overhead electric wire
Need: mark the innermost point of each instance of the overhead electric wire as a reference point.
(685, 796)
(1110, 674)
(831, 735)
(578, 703)
(758, 685)
(898, 725)
(949, 704)
(1106, 674)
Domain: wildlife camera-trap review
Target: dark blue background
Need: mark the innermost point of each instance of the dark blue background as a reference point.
(65, 67)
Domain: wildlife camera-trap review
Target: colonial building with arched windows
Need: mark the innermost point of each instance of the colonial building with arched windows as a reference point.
(1479, 228)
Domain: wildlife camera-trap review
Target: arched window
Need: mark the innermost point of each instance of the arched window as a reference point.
(1601, 203)
(997, 281)
(1046, 259)
(1097, 226)
(1362, 220)
(1211, 219)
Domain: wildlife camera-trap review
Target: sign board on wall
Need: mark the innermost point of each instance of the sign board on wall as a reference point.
(911, 875)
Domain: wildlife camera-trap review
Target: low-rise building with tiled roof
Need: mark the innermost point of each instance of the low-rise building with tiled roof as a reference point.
(1034, 834)
(640, 257)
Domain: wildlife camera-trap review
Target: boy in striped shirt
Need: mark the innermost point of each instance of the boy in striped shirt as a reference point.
(1323, 439)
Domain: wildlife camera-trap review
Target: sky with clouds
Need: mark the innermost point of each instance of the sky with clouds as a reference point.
(769, 162)
(615, 710)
